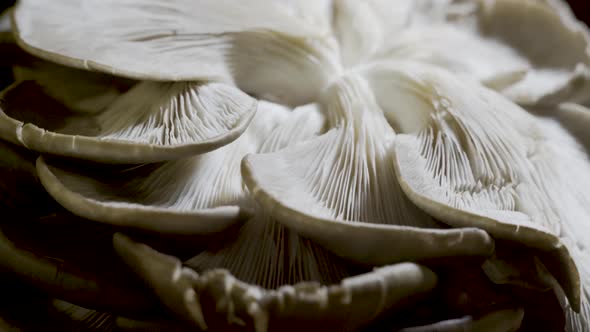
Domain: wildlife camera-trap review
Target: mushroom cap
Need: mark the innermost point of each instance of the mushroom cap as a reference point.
(187, 196)
(399, 146)
(204, 40)
(254, 43)
(151, 122)
(496, 42)
(94, 199)
(353, 302)
(558, 76)
(340, 190)
(470, 157)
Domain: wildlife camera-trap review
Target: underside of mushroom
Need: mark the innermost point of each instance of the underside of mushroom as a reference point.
(279, 165)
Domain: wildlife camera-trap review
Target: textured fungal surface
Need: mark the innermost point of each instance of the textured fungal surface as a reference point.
(288, 165)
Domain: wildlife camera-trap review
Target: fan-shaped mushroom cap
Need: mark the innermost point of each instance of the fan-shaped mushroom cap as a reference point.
(470, 157)
(497, 43)
(201, 194)
(555, 76)
(151, 122)
(266, 48)
(264, 252)
(340, 189)
(355, 301)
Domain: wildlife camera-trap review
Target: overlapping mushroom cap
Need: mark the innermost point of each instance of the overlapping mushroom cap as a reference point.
(314, 139)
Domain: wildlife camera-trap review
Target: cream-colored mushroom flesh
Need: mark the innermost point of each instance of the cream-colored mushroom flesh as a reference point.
(346, 305)
(270, 255)
(307, 159)
(149, 123)
(363, 27)
(469, 157)
(200, 194)
(264, 252)
(565, 74)
(340, 189)
(268, 48)
(574, 118)
(497, 42)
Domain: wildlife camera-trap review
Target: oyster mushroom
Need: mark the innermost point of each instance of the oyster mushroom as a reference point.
(192, 195)
(555, 77)
(340, 190)
(149, 123)
(264, 252)
(252, 256)
(496, 42)
(351, 303)
(470, 157)
(267, 254)
(267, 48)
(248, 44)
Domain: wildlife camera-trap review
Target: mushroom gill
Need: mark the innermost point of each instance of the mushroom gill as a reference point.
(151, 122)
(200, 194)
(344, 306)
(470, 157)
(340, 190)
(328, 164)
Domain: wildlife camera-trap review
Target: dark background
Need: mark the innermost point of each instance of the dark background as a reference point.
(5, 4)
(582, 9)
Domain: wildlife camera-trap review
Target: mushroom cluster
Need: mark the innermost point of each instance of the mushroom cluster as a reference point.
(272, 165)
